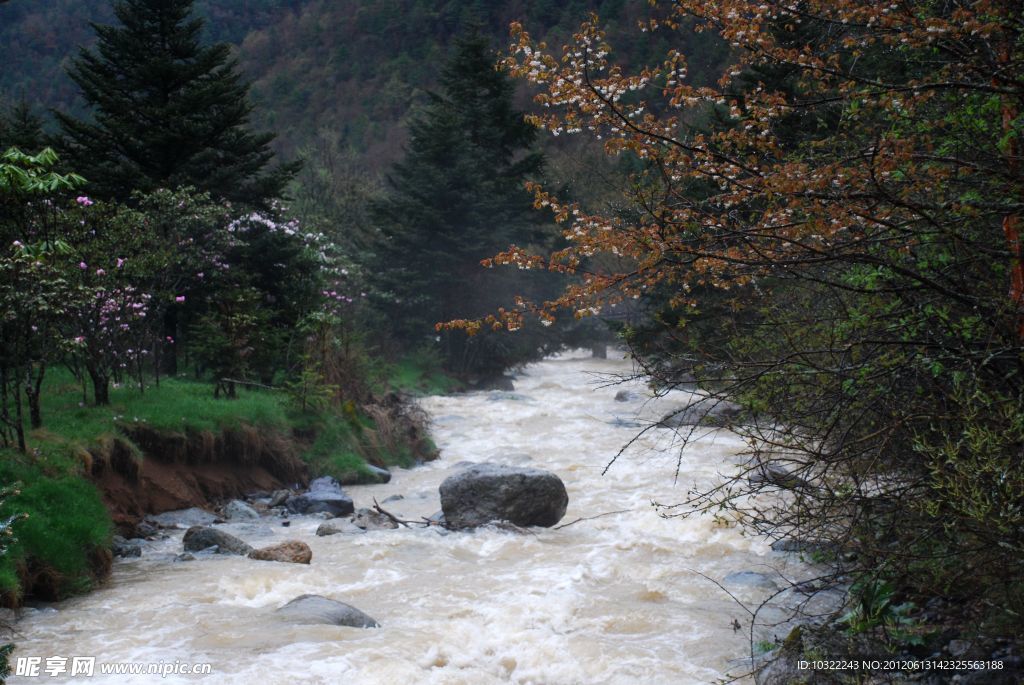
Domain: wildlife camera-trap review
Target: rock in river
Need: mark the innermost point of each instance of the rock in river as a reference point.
(290, 551)
(494, 492)
(182, 518)
(237, 510)
(325, 496)
(368, 519)
(317, 609)
(198, 538)
(332, 528)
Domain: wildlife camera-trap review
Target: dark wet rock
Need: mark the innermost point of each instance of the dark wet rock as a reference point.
(182, 518)
(686, 381)
(626, 396)
(125, 548)
(290, 551)
(494, 492)
(437, 519)
(369, 519)
(381, 475)
(778, 475)
(393, 498)
(278, 498)
(184, 556)
(146, 530)
(318, 609)
(503, 396)
(790, 545)
(750, 579)
(325, 496)
(707, 412)
(198, 538)
(237, 510)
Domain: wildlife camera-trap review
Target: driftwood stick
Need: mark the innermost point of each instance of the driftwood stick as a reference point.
(590, 518)
(377, 507)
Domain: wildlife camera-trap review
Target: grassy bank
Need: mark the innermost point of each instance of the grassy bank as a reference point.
(62, 547)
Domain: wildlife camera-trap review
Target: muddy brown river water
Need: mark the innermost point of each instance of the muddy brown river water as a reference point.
(610, 600)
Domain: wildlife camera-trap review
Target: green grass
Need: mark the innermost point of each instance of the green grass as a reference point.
(66, 522)
(177, 405)
(419, 374)
(333, 453)
(67, 519)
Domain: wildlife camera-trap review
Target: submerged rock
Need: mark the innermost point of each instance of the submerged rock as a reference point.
(318, 609)
(278, 497)
(751, 579)
(198, 538)
(332, 528)
(146, 530)
(237, 510)
(182, 518)
(493, 492)
(381, 475)
(626, 396)
(437, 519)
(325, 496)
(125, 548)
(290, 551)
(707, 412)
(368, 519)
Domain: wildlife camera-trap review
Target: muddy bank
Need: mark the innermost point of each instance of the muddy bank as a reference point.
(150, 471)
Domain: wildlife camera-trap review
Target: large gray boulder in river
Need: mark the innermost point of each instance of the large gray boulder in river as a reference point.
(325, 495)
(198, 538)
(317, 609)
(494, 492)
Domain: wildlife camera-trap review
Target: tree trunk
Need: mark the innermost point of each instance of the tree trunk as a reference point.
(100, 388)
(170, 351)
(19, 421)
(4, 413)
(33, 389)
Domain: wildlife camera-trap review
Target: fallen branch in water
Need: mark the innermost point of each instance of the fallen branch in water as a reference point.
(378, 508)
(590, 518)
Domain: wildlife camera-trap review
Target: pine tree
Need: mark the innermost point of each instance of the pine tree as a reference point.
(455, 199)
(21, 128)
(168, 112)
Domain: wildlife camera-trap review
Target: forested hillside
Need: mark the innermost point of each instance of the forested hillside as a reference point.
(38, 38)
(352, 68)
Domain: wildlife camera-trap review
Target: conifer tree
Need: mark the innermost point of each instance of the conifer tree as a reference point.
(21, 128)
(168, 112)
(457, 195)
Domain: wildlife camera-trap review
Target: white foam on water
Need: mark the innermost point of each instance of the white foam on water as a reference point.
(615, 599)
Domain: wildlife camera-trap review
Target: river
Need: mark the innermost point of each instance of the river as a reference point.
(612, 600)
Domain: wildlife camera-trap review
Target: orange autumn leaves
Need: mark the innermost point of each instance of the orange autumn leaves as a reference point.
(725, 204)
